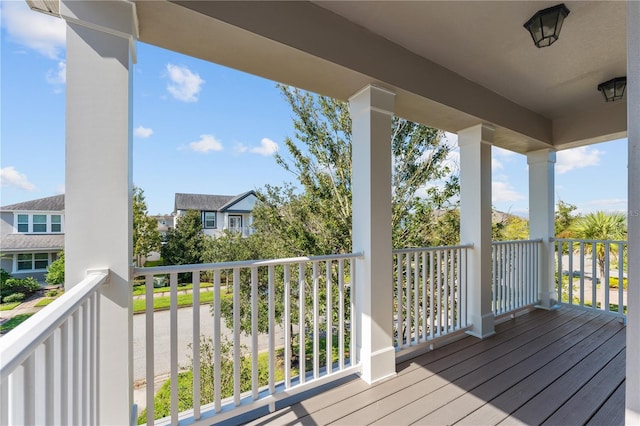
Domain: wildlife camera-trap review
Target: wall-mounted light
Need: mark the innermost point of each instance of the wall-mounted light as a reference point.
(613, 90)
(546, 24)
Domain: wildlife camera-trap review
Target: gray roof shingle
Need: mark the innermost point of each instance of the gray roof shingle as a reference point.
(14, 242)
(202, 202)
(53, 204)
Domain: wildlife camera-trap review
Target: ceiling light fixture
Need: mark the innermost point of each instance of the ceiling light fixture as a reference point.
(545, 25)
(613, 90)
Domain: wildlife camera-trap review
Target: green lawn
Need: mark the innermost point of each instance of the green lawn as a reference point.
(139, 290)
(8, 306)
(13, 322)
(164, 302)
(44, 302)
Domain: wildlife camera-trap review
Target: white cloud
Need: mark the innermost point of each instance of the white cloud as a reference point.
(142, 132)
(9, 176)
(185, 85)
(205, 144)
(504, 192)
(577, 158)
(60, 188)
(496, 164)
(42, 33)
(57, 77)
(267, 147)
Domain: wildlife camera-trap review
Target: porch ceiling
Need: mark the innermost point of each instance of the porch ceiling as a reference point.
(452, 64)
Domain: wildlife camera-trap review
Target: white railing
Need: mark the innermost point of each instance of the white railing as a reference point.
(582, 263)
(50, 363)
(430, 293)
(303, 300)
(515, 277)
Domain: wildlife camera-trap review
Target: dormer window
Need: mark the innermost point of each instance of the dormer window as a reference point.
(56, 223)
(23, 223)
(40, 223)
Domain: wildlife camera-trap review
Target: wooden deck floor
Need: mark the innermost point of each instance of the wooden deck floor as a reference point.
(563, 367)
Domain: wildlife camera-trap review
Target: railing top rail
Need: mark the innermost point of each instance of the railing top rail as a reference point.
(240, 264)
(581, 240)
(23, 340)
(419, 249)
(536, 240)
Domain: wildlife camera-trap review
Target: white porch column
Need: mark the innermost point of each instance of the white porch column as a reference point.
(371, 110)
(475, 224)
(542, 219)
(98, 215)
(632, 416)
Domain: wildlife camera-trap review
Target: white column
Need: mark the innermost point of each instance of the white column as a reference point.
(632, 416)
(475, 224)
(98, 215)
(542, 219)
(371, 110)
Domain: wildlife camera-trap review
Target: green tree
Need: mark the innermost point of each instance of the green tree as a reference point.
(55, 271)
(146, 237)
(186, 242)
(565, 219)
(601, 226)
(516, 228)
(316, 219)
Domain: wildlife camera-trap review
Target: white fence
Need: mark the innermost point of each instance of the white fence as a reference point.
(592, 274)
(515, 278)
(50, 363)
(430, 293)
(308, 298)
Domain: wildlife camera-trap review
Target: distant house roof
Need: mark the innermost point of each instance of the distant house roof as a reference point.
(53, 204)
(205, 202)
(16, 242)
(236, 199)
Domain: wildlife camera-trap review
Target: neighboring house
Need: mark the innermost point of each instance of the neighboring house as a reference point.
(219, 212)
(31, 236)
(165, 223)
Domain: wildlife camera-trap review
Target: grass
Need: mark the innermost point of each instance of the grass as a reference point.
(164, 302)
(8, 306)
(139, 290)
(44, 302)
(12, 323)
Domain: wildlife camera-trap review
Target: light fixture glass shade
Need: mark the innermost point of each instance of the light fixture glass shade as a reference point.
(613, 89)
(546, 24)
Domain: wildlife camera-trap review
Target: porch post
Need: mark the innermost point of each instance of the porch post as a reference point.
(371, 110)
(632, 415)
(98, 215)
(542, 219)
(475, 224)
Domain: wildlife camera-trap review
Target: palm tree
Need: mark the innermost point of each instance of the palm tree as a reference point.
(601, 226)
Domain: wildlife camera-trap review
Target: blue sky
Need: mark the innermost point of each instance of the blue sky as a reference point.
(203, 128)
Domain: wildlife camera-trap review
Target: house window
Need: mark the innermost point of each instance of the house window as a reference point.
(25, 262)
(56, 223)
(23, 223)
(39, 223)
(41, 261)
(209, 219)
(33, 261)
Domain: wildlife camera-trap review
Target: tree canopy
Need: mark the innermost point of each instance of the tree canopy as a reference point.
(315, 217)
(186, 242)
(146, 237)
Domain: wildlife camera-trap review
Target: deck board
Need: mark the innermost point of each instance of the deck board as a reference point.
(560, 367)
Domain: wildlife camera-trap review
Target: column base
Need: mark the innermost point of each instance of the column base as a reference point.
(378, 366)
(548, 308)
(486, 329)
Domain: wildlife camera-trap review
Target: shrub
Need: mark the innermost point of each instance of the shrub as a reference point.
(4, 276)
(27, 286)
(55, 271)
(14, 297)
(51, 293)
